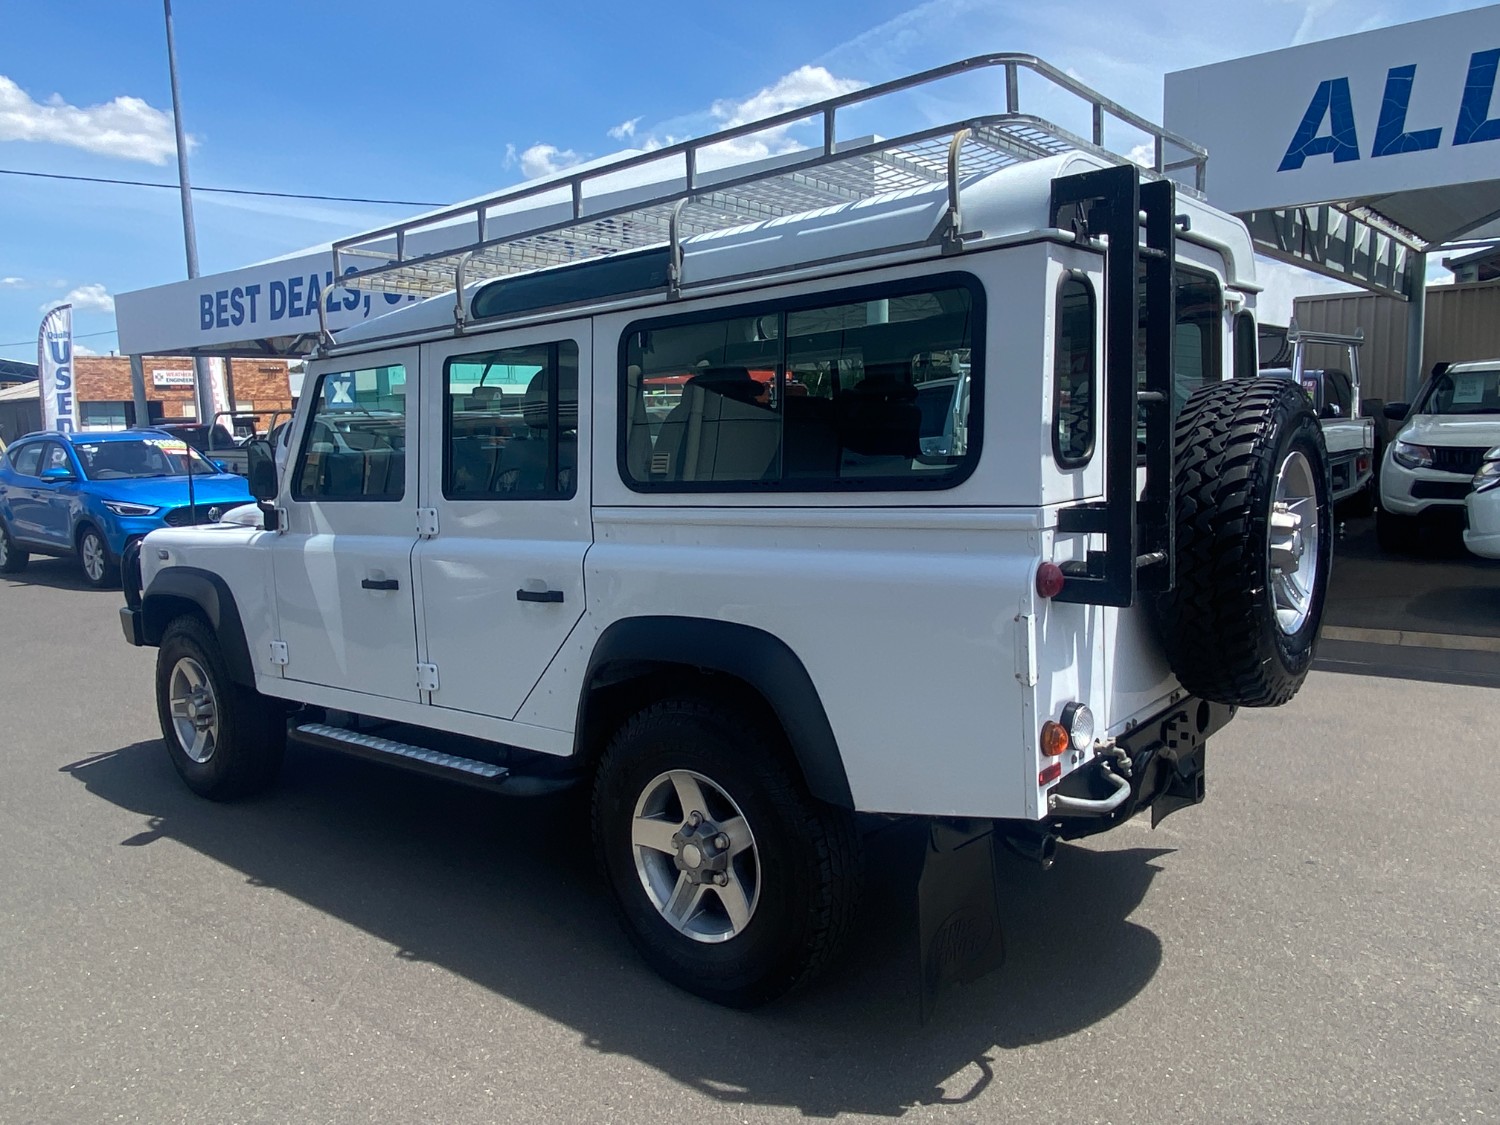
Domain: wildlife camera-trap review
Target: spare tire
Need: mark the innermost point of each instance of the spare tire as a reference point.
(1254, 542)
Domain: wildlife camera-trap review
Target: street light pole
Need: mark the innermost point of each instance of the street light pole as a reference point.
(189, 234)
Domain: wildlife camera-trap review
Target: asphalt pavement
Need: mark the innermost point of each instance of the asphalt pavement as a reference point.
(1317, 941)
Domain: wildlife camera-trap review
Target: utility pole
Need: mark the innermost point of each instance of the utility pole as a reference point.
(203, 387)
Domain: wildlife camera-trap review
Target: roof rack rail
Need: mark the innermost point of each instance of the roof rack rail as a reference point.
(669, 194)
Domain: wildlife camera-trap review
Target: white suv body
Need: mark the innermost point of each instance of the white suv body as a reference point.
(676, 524)
(1441, 443)
(1482, 531)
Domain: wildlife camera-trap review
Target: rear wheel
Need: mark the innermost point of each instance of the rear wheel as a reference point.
(1254, 542)
(226, 740)
(12, 558)
(99, 570)
(732, 881)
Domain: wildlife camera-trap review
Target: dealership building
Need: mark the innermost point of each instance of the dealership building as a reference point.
(105, 401)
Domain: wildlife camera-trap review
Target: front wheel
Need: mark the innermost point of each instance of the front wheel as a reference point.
(732, 881)
(99, 571)
(226, 740)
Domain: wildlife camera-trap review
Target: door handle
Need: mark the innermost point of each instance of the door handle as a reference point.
(380, 584)
(539, 595)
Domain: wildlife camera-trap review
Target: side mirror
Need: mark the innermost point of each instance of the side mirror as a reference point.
(1397, 411)
(219, 465)
(58, 473)
(260, 468)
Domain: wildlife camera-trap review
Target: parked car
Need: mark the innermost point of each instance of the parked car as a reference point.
(1429, 467)
(1482, 535)
(89, 494)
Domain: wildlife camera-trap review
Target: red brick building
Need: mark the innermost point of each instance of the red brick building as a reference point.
(258, 386)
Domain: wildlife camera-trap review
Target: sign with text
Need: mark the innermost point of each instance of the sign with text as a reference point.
(172, 377)
(54, 361)
(1397, 109)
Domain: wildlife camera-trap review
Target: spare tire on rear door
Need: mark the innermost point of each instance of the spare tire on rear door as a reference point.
(1254, 542)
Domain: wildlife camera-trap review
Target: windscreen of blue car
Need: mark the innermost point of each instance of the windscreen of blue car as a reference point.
(138, 459)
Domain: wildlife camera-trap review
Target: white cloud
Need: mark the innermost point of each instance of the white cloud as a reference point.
(126, 127)
(547, 160)
(87, 298)
(13, 283)
(803, 86)
(83, 349)
(625, 129)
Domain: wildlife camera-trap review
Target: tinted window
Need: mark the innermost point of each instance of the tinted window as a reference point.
(1196, 343)
(876, 389)
(1246, 343)
(26, 458)
(54, 456)
(1074, 368)
(355, 445)
(512, 423)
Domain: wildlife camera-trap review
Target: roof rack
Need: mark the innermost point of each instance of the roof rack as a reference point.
(667, 195)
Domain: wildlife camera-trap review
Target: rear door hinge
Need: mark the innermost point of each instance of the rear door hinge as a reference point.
(427, 522)
(278, 653)
(1026, 649)
(427, 677)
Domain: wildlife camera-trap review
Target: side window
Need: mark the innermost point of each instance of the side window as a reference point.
(1197, 343)
(1075, 366)
(27, 459)
(355, 445)
(511, 424)
(876, 390)
(54, 456)
(1246, 343)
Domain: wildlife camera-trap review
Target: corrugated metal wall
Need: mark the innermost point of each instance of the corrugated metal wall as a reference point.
(1463, 322)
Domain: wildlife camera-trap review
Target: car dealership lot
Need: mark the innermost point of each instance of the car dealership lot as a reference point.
(1318, 938)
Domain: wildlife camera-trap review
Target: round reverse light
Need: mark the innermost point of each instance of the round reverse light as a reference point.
(1049, 580)
(1078, 720)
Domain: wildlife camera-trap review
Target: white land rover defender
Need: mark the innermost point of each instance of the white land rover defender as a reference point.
(917, 481)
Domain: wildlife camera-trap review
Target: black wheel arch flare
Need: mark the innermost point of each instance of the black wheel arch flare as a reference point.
(752, 655)
(182, 589)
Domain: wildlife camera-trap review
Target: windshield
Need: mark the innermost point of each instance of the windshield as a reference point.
(1463, 392)
(135, 459)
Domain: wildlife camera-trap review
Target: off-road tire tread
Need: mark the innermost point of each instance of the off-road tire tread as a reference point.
(1212, 623)
(252, 728)
(831, 833)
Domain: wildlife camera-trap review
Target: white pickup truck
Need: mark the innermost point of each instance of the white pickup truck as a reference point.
(1326, 366)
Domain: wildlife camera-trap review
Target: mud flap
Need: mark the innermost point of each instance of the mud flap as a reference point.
(958, 915)
(1184, 785)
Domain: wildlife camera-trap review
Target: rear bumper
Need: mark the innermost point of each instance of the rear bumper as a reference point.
(1159, 764)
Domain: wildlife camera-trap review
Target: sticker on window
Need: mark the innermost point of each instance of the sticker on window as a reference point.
(168, 445)
(1468, 389)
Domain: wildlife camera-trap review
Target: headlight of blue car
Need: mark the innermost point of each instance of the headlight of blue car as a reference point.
(125, 508)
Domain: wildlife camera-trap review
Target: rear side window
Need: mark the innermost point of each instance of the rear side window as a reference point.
(873, 388)
(1246, 344)
(512, 424)
(27, 458)
(1075, 366)
(355, 445)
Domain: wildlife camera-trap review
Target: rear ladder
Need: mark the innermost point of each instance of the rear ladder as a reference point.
(1139, 532)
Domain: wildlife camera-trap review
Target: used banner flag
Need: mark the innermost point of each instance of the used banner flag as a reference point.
(54, 361)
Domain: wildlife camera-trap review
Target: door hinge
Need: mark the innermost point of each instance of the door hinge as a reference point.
(427, 677)
(1026, 649)
(278, 652)
(427, 522)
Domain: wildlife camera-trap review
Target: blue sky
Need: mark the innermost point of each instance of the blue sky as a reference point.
(436, 103)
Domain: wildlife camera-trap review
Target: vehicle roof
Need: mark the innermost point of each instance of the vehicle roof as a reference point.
(1472, 365)
(92, 436)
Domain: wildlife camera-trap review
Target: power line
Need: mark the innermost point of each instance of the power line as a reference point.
(76, 336)
(218, 190)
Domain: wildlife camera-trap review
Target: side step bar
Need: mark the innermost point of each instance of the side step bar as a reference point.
(417, 758)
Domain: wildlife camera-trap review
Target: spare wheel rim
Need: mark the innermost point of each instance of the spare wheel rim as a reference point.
(1293, 542)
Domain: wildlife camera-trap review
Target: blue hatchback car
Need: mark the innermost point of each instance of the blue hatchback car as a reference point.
(89, 494)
